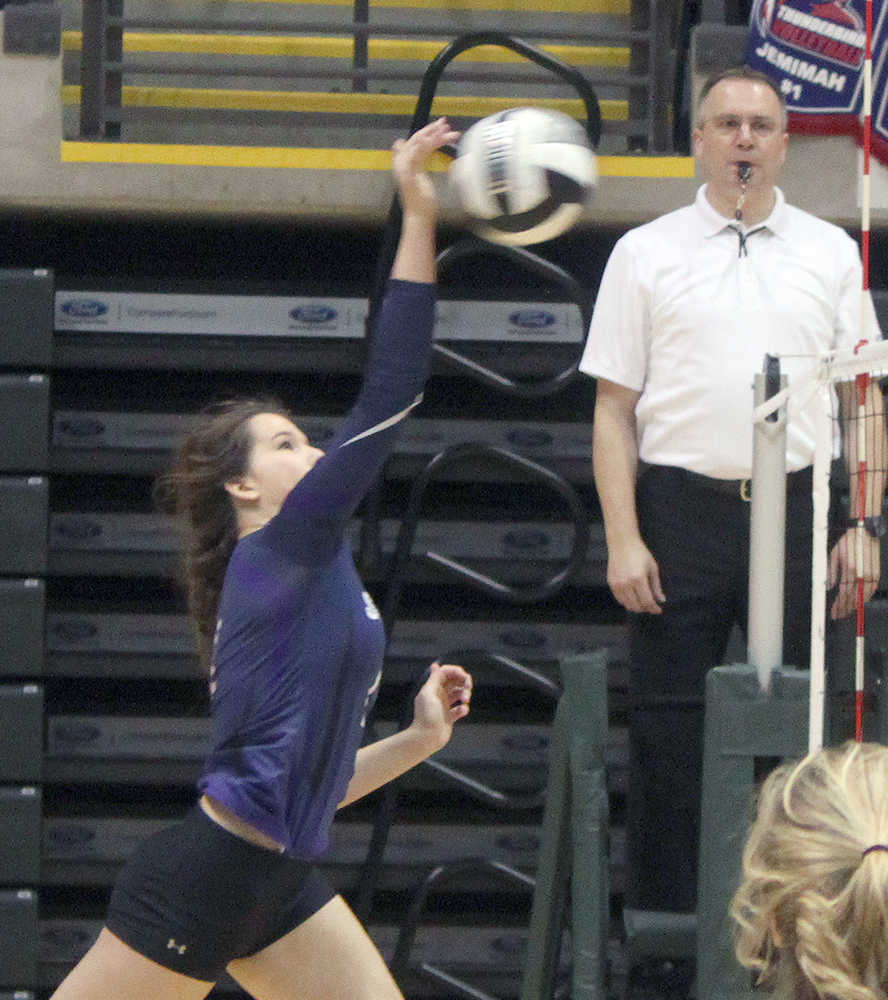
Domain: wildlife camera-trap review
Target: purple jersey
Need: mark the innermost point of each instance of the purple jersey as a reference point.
(299, 643)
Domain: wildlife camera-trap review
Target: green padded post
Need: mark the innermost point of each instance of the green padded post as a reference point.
(22, 625)
(27, 307)
(24, 414)
(585, 681)
(20, 820)
(20, 939)
(553, 870)
(741, 725)
(21, 733)
(574, 838)
(24, 514)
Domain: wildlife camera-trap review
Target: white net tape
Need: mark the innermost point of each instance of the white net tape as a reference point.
(843, 389)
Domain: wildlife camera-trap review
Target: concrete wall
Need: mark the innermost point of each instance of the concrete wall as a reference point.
(821, 173)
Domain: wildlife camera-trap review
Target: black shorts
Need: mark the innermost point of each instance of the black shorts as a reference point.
(194, 897)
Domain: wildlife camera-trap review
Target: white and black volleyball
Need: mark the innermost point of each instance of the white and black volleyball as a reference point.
(524, 175)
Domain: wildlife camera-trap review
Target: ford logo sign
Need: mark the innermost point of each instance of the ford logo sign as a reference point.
(529, 437)
(66, 937)
(70, 837)
(313, 314)
(77, 733)
(78, 529)
(518, 842)
(523, 639)
(80, 427)
(532, 319)
(74, 630)
(319, 433)
(527, 538)
(84, 308)
(509, 944)
(526, 740)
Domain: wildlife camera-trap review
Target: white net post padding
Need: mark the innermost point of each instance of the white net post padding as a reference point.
(767, 536)
(823, 456)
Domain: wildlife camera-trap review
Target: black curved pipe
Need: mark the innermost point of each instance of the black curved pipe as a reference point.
(528, 594)
(501, 591)
(421, 116)
(523, 389)
(470, 40)
(480, 791)
(439, 875)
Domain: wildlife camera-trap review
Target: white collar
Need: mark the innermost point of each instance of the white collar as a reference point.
(714, 222)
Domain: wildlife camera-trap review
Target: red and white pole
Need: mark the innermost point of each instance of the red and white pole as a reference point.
(860, 539)
(863, 380)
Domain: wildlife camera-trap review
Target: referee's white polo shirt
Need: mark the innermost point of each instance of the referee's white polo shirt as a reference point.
(686, 320)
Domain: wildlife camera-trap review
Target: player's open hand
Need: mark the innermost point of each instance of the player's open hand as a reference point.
(409, 160)
(442, 701)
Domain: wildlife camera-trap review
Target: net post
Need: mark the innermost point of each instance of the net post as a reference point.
(741, 726)
(553, 868)
(767, 529)
(819, 573)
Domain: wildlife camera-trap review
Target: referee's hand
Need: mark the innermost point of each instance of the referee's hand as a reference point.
(634, 577)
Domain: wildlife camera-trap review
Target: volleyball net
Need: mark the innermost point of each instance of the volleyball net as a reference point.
(844, 391)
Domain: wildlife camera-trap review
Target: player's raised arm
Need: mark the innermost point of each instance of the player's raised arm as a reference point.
(415, 256)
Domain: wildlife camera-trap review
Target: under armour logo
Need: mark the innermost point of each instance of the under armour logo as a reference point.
(180, 948)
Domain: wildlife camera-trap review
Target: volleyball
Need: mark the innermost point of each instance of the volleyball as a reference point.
(524, 175)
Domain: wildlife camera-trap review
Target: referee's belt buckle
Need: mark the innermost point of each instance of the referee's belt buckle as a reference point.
(746, 490)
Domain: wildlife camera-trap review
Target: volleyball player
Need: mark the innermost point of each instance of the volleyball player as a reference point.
(812, 908)
(294, 647)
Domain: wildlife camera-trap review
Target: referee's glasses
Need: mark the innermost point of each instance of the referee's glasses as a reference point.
(762, 126)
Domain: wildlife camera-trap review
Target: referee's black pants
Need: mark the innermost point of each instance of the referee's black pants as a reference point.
(698, 532)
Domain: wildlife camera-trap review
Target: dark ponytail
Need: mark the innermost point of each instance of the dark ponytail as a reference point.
(215, 451)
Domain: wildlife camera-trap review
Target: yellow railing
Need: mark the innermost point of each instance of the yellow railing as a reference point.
(314, 47)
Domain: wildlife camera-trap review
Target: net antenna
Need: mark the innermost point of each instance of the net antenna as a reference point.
(863, 432)
(862, 385)
(867, 142)
(834, 377)
(863, 382)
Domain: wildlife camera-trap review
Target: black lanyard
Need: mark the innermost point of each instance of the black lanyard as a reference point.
(742, 250)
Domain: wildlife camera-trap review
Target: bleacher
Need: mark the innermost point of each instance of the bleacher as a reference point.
(113, 701)
(115, 326)
(341, 75)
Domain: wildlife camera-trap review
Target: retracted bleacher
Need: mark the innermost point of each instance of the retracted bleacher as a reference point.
(340, 75)
(102, 695)
(115, 543)
(191, 330)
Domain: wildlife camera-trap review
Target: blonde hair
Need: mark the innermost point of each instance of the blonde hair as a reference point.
(812, 909)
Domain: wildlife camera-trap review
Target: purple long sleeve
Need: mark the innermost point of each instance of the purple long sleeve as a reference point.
(299, 643)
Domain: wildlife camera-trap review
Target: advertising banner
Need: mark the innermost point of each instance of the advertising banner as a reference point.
(815, 52)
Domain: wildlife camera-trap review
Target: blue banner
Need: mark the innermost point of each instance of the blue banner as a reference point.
(815, 52)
